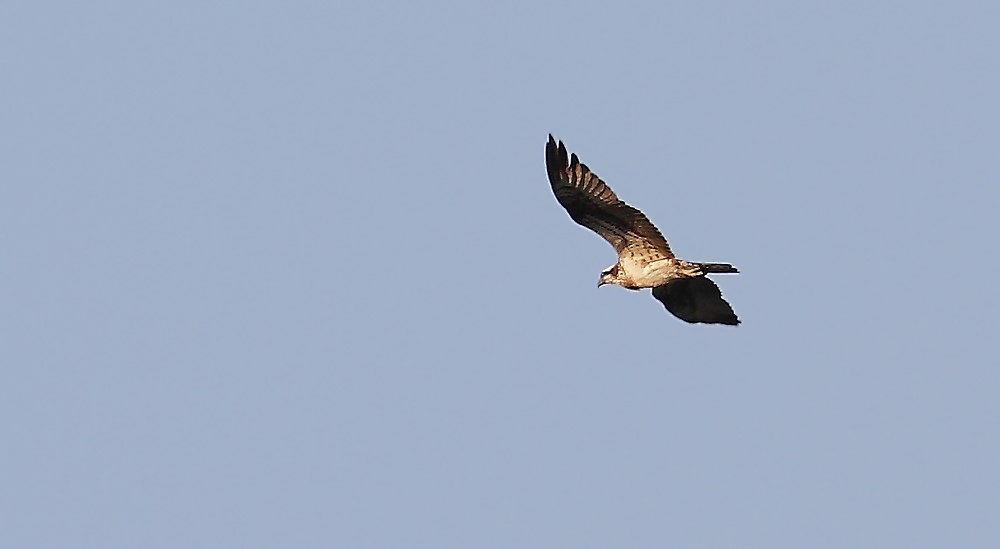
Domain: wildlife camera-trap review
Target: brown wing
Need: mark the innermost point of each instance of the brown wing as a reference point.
(694, 300)
(591, 203)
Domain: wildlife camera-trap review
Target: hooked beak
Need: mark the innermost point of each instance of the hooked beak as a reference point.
(601, 282)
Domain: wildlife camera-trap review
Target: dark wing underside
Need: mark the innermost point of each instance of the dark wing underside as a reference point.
(591, 203)
(695, 300)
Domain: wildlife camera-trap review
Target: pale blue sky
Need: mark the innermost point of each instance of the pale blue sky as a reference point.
(290, 274)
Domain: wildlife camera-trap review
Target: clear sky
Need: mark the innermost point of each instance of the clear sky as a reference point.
(290, 274)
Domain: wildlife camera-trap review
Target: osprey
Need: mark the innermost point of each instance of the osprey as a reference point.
(644, 257)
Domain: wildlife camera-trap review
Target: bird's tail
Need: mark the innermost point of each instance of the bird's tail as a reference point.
(717, 268)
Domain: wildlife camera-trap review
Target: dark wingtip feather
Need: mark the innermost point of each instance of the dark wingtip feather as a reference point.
(555, 159)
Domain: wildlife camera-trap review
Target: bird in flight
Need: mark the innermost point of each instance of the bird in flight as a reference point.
(644, 257)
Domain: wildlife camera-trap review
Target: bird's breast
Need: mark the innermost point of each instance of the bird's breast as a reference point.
(645, 274)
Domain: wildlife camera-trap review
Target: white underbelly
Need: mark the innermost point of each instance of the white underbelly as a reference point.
(647, 275)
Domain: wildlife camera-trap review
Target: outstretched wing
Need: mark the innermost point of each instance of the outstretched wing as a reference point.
(591, 203)
(696, 299)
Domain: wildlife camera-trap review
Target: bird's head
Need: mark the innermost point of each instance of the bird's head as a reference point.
(608, 276)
